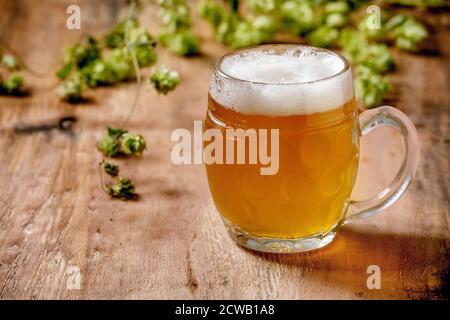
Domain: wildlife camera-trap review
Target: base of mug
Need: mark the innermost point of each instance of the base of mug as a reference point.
(275, 245)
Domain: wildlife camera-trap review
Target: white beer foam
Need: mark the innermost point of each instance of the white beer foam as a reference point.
(282, 84)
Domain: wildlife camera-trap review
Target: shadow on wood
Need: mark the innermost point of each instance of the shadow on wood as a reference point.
(409, 264)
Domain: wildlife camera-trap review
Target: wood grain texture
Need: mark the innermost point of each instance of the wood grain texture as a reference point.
(171, 243)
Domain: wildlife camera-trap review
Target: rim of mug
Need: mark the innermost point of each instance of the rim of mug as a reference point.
(222, 73)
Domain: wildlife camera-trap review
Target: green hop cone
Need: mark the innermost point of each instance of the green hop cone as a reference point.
(336, 20)
(123, 189)
(263, 6)
(143, 45)
(182, 43)
(10, 62)
(378, 58)
(337, 7)
(410, 35)
(265, 25)
(212, 12)
(110, 143)
(164, 80)
(297, 16)
(370, 30)
(79, 56)
(245, 35)
(175, 16)
(176, 33)
(115, 38)
(117, 141)
(14, 84)
(407, 32)
(359, 51)
(97, 74)
(110, 168)
(370, 86)
(72, 88)
(132, 144)
(324, 36)
(119, 66)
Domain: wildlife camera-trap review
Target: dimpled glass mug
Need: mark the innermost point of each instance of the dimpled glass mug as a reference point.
(307, 94)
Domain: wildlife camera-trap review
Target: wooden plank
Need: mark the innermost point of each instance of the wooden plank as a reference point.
(171, 243)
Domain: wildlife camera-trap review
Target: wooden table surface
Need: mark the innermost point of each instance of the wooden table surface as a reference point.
(55, 220)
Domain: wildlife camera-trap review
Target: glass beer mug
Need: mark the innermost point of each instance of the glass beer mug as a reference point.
(306, 94)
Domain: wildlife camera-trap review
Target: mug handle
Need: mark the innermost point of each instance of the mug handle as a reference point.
(394, 118)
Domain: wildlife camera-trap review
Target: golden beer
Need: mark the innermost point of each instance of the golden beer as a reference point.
(318, 160)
